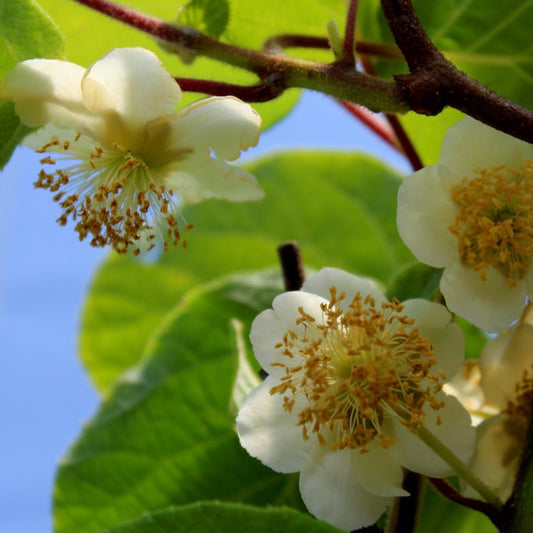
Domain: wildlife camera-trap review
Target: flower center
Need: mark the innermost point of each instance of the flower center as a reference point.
(355, 368)
(494, 225)
(111, 194)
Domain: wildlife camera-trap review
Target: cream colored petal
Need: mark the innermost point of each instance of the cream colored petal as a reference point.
(321, 282)
(270, 433)
(491, 305)
(503, 362)
(270, 326)
(131, 84)
(435, 323)
(455, 431)
(48, 90)
(379, 471)
(331, 491)
(200, 179)
(469, 144)
(496, 458)
(225, 125)
(425, 212)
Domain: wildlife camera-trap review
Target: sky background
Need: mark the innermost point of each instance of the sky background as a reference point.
(44, 275)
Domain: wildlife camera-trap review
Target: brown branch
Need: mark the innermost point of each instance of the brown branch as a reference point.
(434, 82)
(294, 40)
(405, 511)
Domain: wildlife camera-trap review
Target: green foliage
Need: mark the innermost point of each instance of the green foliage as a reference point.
(415, 280)
(36, 37)
(215, 517)
(208, 16)
(165, 435)
(317, 199)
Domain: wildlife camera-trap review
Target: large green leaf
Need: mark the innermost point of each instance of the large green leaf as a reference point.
(489, 42)
(340, 207)
(165, 436)
(25, 32)
(249, 25)
(215, 517)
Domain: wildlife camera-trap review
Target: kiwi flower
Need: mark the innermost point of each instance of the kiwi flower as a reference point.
(352, 379)
(128, 155)
(472, 214)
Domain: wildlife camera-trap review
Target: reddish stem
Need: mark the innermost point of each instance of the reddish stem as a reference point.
(372, 121)
(349, 35)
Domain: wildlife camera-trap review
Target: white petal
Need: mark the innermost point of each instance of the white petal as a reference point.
(379, 470)
(199, 179)
(131, 84)
(455, 431)
(491, 305)
(503, 362)
(425, 212)
(48, 90)
(469, 144)
(330, 490)
(224, 124)
(270, 433)
(496, 457)
(435, 323)
(321, 282)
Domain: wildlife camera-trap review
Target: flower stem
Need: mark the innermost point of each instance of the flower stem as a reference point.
(459, 467)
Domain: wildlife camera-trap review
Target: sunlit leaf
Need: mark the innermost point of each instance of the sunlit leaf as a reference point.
(215, 517)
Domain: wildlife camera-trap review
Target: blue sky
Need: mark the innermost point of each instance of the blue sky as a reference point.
(44, 275)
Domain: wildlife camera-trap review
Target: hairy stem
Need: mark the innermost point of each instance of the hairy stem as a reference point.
(348, 55)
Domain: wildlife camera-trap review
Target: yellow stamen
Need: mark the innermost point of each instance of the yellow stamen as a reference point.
(354, 368)
(494, 224)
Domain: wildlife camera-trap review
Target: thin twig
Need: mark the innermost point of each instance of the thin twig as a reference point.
(404, 513)
(449, 492)
(292, 265)
(348, 55)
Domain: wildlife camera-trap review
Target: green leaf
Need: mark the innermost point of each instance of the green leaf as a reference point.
(415, 280)
(26, 31)
(250, 24)
(208, 16)
(340, 207)
(216, 517)
(165, 436)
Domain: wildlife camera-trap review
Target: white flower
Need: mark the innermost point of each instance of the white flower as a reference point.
(506, 365)
(472, 213)
(132, 154)
(351, 379)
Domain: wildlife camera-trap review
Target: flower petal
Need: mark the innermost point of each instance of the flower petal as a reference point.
(330, 490)
(470, 144)
(269, 432)
(48, 90)
(131, 85)
(425, 212)
(199, 179)
(503, 362)
(321, 282)
(491, 305)
(435, 323)
(224, 124)
(496, 458)
(455, 431)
